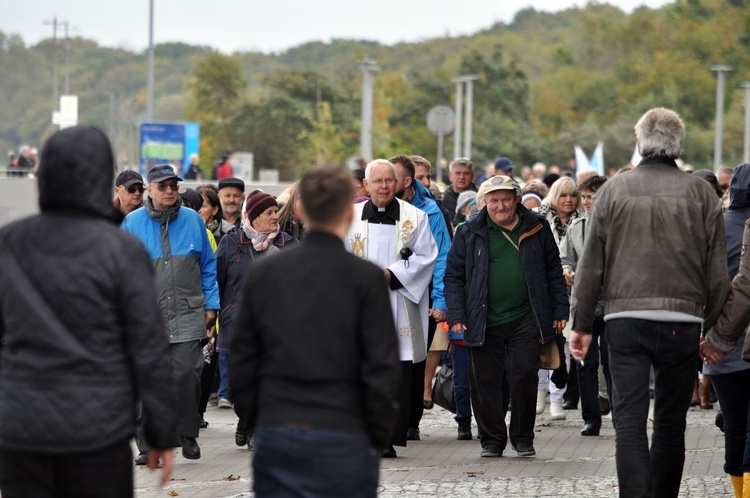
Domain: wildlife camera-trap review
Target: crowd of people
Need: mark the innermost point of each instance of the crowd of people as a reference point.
(627, 273)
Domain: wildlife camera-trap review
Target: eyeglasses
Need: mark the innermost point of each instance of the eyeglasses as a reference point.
(165, 185)
(380, 181)
(134, 188)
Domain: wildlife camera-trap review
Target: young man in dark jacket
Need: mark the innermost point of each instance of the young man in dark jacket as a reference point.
(505, 293)
(314, 362)
(81, 336)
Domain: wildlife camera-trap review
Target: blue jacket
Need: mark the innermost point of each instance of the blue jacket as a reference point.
(442, 238)
(184, 266)
(466, 275)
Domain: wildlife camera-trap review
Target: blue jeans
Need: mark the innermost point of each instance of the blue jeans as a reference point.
(461, 381)
(634, 347)
(223, 381)
(313, 463)
(733, 391)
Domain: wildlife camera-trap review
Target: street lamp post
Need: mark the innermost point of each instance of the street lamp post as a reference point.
(469, 113)
(150, 87)
(746, 150)
(457, 126)
(718, 141)
(368, 68)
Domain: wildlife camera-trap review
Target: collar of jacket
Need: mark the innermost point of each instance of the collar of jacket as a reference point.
(530, 222)
(666, 161)
(166, 216)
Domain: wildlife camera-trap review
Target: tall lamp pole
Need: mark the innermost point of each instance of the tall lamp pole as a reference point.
(718, 140)
(368, 68)
(746, 151)
(150, 88)
(457, 126)
(469, 113)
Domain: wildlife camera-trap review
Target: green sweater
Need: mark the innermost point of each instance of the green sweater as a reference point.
(507, 293)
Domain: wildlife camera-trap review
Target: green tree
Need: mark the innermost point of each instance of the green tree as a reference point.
(215, 90)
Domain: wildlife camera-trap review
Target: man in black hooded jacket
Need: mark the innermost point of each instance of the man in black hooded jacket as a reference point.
(81, 336)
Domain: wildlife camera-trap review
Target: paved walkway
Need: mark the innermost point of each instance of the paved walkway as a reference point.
(566, 464)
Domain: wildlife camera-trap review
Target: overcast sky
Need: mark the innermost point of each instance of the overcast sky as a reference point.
(269, 25)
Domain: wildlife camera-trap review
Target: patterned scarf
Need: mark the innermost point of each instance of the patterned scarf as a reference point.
(262, 241)
(560, 228)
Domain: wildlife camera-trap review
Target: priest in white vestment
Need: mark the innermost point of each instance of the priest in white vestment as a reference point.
(396, 236)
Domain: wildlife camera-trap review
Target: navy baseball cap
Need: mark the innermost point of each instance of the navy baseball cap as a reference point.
(504, 164)
(162, 172)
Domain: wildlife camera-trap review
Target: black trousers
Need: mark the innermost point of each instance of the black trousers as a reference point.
(404, 399)
(634, 347)
(208, 377)
(106, 473)
(417, 381)
(588, 375)
(187, 365)
(519, 342)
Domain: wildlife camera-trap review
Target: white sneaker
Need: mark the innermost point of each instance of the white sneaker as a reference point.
(556, 411)
(224, 403)
(541, 400)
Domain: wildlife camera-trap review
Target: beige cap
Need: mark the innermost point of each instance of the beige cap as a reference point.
(498, 182)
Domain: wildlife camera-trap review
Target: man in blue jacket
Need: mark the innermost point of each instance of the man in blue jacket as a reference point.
(185, 269)
(414, 193)
(505, 293)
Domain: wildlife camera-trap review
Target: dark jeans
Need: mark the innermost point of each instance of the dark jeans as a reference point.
(733, 391)
(106, 473)
(634, 347)
(520, 340)
(461, 381)
(223, 377)
(588, 375)
(313, 463)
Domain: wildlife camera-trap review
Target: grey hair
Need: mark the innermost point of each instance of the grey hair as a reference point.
(563, 185)
(461, 161)
(378, 162)
(660, 133)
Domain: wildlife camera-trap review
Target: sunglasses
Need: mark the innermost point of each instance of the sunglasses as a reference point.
(164, 185)
(134, 188)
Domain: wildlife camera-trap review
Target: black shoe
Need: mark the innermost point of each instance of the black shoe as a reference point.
(250, 442)
(491, 451)
(428, 405)
(464, 429)
(141, 459)
(240, 434)
(590, 430)
(389, 453)
(524, 449)
(203, 423)
(570, 405)
(604, 406)
(190, 448)
(412, 434)
(240, 438)
(719, 421)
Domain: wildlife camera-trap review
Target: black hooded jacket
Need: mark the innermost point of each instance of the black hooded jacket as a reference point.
(81, 336)
(736, 214)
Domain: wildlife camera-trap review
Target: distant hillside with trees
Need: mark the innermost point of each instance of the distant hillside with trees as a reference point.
(547, 81)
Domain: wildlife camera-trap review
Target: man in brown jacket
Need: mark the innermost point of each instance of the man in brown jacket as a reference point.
(656, 246)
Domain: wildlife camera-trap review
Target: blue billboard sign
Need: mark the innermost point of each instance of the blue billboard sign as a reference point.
(168, 143)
